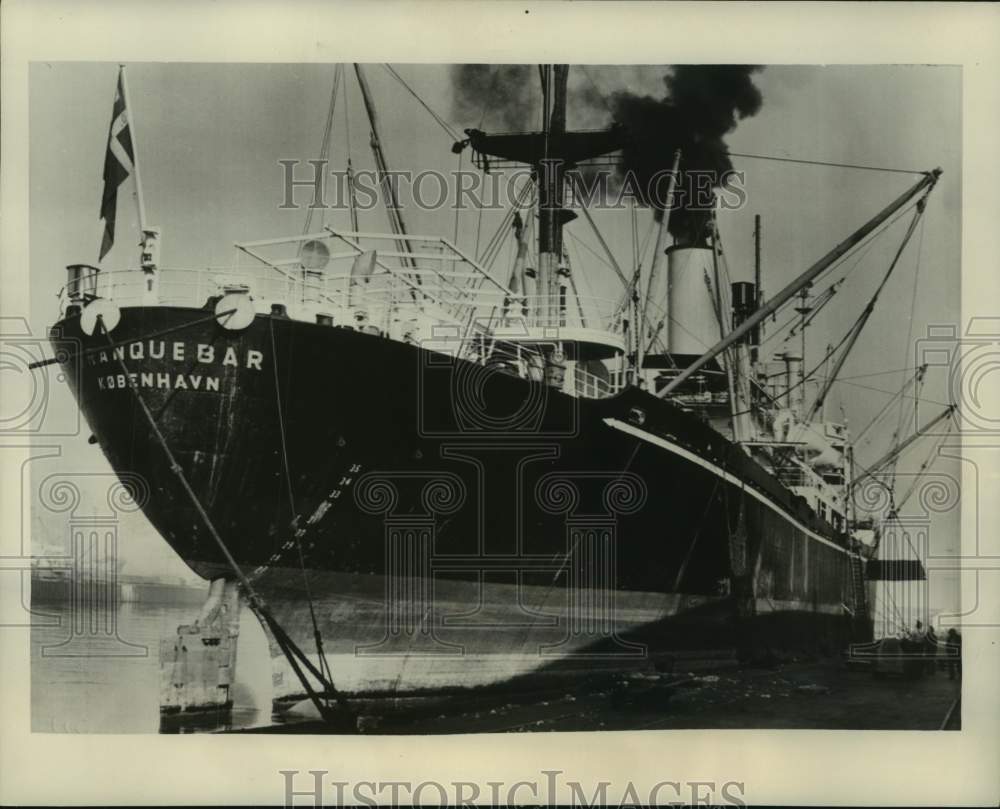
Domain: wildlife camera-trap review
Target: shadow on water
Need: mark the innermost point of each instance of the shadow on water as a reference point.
(85, 681)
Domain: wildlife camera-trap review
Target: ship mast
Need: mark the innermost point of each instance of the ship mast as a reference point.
(551, 180)
(385, 176)
(550, 153)
(550, 192)
(803, 310)
(758, 286)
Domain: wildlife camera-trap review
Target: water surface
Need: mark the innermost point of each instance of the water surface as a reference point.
(89, 675)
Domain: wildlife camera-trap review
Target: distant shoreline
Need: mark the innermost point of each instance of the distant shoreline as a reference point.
(54, 589)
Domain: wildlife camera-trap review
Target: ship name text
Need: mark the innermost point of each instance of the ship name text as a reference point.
(178, 351)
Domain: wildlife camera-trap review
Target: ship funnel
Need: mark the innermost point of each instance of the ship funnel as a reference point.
(693, 325)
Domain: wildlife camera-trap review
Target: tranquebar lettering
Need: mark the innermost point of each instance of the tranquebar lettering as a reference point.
(201, 360)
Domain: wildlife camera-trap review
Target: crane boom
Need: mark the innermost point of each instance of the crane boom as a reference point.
(385, 176)
(792, 289)
(860, 325)
(900, 448)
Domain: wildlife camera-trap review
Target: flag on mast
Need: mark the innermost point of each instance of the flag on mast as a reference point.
(119, 162)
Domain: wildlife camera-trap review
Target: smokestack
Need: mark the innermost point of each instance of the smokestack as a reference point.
(703, 103)
(692, 322)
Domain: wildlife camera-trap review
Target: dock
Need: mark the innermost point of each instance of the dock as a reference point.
(793, 695)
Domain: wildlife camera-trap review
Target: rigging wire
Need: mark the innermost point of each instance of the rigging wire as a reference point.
(611, 261)
(585, 283)
(876, 373)
(627, 295)
(804, 162)
(879, 469)
(317, 636)
(635, 233)
(590, 250)
(650, 229)
(794, 320)
(571, 277)
(493, 246)
(324, 150)
(600, 93)
(441, 122)
(479, 233)
(288, 647)
(868, 310)
(885, 408)
(490, 252)
(935, 449)
(351, 191)
(488, 98)
(458, 208)
(913, 397)
(895, 507)
(830, 352)
(909, 334)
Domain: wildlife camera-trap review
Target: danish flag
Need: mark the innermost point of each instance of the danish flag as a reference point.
(119, 162)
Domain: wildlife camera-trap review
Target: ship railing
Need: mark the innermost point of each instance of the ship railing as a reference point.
(528, 361)
(792, 476)
(417, 270)
(590, 386)
(702, 399)
(403, 286)
(424, 269)
(793, 472)
(372, 304)
(303, 293)
(175, 286)
(573, 311)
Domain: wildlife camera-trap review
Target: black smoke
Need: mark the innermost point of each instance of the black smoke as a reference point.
(703, 103)
(496, 95)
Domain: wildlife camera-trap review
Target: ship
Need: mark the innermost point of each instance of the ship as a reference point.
(426, 475)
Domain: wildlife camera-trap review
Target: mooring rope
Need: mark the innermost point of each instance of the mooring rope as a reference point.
(317, 635)
(288, 646)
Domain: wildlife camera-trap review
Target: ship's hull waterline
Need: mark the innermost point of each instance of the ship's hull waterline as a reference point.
(458, 526)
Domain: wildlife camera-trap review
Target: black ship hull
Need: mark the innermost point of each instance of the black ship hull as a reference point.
(451, 524)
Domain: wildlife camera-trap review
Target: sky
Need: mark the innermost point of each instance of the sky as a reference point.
(209, 138)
